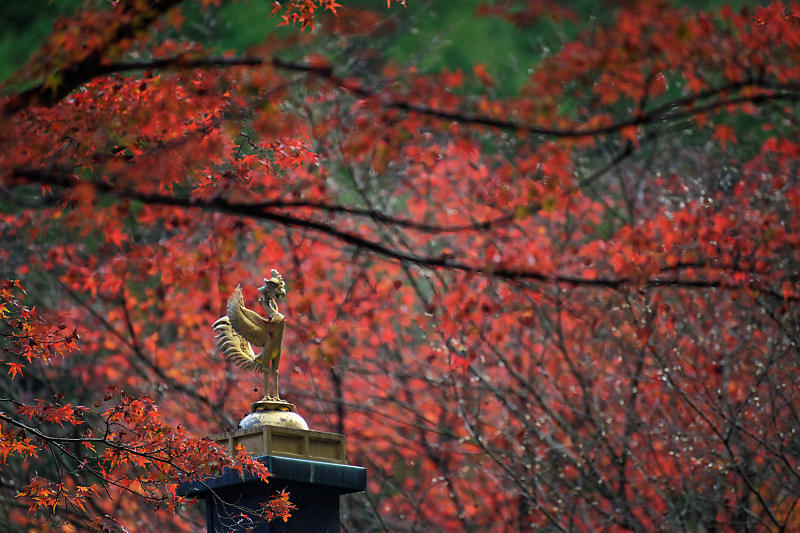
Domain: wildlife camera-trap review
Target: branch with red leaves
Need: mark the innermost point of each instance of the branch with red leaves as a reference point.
(749, 91)
(132, 451)
(127, 447)
(275, 212)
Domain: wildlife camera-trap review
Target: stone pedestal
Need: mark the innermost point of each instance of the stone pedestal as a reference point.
(307, 464)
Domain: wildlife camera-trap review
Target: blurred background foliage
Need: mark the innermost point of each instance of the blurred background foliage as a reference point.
(432, 34)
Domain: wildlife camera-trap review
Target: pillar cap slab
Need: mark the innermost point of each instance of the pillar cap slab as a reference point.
(342, 478)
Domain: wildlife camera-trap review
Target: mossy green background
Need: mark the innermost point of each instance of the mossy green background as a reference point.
(434, 34)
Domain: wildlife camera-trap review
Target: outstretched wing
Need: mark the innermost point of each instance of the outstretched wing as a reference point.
(247, 323)
(234, 347)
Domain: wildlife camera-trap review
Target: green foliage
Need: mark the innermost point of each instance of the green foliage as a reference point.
(24, 27)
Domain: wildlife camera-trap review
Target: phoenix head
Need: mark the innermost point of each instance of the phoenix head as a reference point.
(273, 287)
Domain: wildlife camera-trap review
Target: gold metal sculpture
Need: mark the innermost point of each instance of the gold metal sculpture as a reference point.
(243, 327)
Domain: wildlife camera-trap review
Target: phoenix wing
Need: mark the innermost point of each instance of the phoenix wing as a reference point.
(249, 324)
(234, 347)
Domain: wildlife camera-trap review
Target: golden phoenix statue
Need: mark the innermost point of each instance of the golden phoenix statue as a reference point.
(243, 327)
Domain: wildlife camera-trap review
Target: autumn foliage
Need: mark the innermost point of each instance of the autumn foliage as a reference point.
(570, 305)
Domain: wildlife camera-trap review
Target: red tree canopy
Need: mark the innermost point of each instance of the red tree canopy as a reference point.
(567, 305)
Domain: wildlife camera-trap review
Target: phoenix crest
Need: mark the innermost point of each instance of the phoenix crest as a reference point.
(243, 328)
